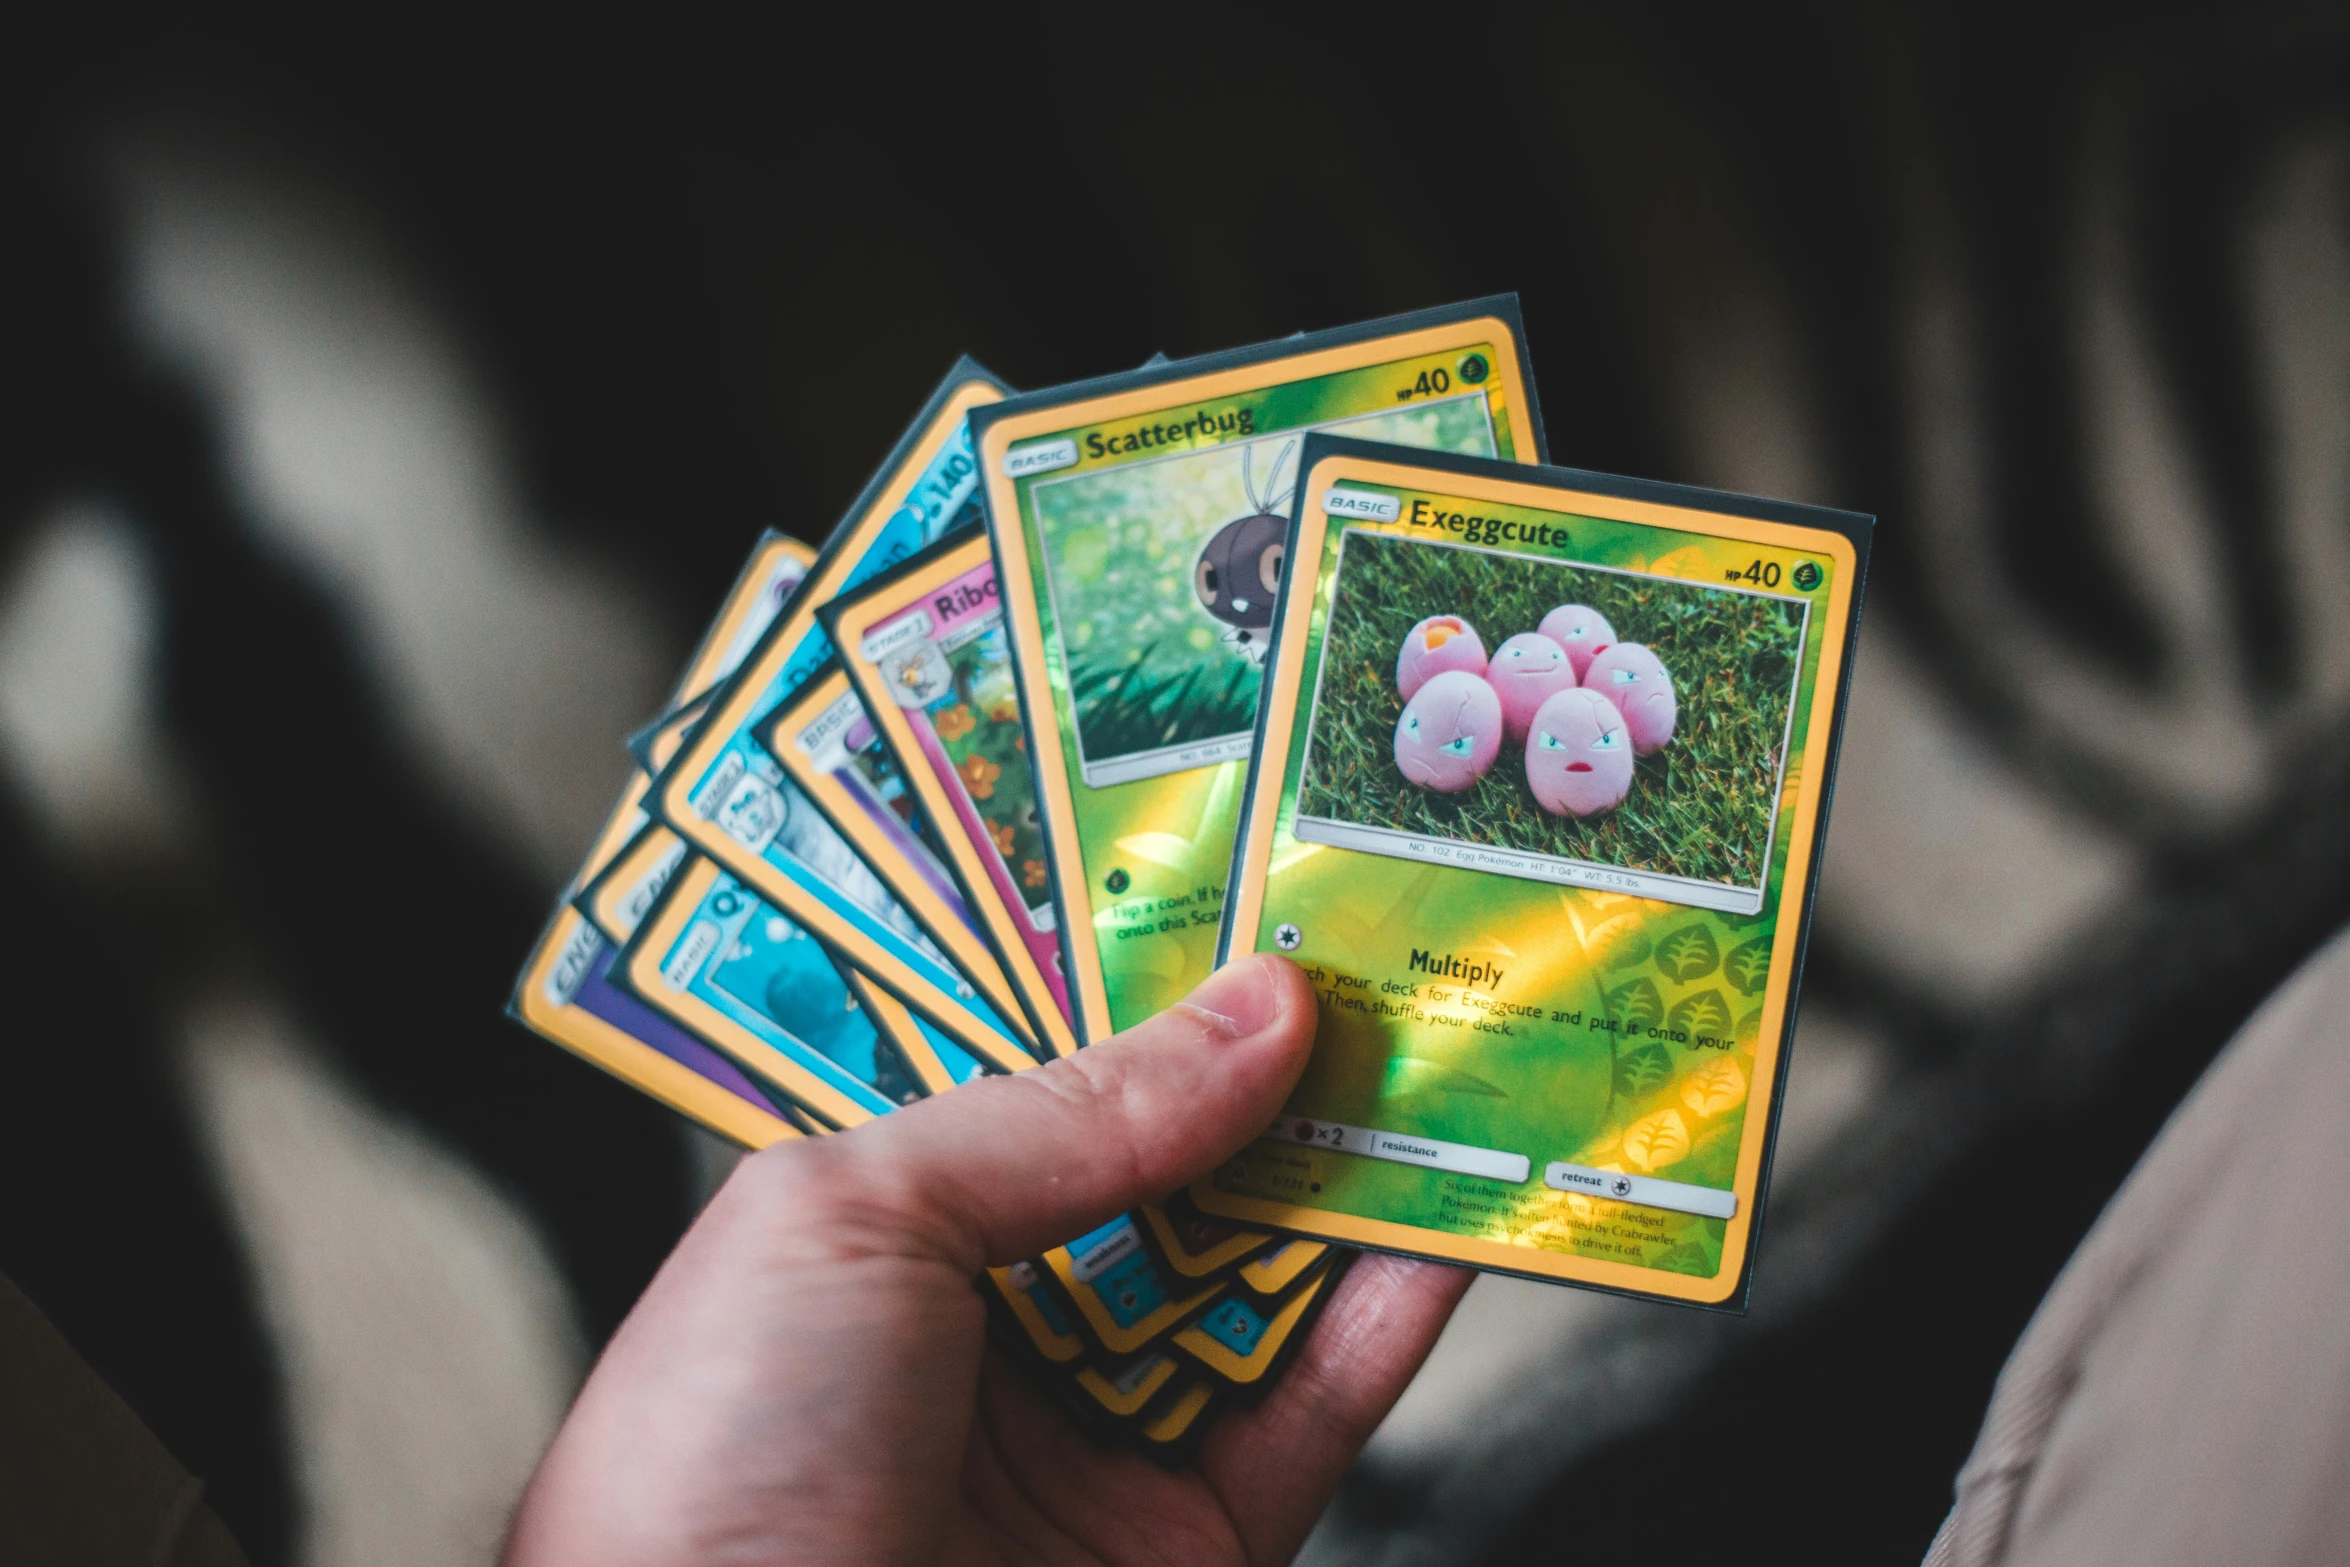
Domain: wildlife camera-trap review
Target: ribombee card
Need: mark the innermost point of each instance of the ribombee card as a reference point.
(1539, 791)
(926, 650)
(1139, 525)
(732, 801)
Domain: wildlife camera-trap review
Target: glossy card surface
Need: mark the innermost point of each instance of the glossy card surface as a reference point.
(1556, 952)
(1139, 522)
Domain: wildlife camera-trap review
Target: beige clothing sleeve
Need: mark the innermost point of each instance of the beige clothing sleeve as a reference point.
(81, 1480)
(2183, 1393)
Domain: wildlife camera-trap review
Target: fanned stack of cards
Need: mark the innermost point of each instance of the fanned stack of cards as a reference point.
(1294, 648)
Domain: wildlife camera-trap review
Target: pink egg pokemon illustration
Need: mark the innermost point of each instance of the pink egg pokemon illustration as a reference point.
(1635, 679)
(1526, 671)
(1450, 732)
(1435, 645)
(1578, 754)
(1582, 631)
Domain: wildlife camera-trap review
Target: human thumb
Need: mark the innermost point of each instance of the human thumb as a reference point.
(1003, 1168)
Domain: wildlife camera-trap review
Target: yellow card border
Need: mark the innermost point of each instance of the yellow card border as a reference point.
(1003, 924)
(1169, 1428)
(1244, 899)
(1008, 528)
(1269, 1275)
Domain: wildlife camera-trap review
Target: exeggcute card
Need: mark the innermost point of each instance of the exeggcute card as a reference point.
(1139, 525)
(731, 800)
(831, 749)
(925, 646)
(1540, 784)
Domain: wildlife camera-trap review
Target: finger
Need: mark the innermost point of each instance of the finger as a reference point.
(1006, 1167)
(1276, 1466)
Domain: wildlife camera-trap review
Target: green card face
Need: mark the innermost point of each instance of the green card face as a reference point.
(1139, 526)
(1538, 800)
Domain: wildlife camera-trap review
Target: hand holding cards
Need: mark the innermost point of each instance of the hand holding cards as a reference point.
(1293, 650)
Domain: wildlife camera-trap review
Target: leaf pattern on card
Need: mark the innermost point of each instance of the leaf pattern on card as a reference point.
(1703, 1018)
(1654, 1141)
(1688, 953)
(1716, 1087)
(1643, 1069)
(1636, 1005)
(1749, 966)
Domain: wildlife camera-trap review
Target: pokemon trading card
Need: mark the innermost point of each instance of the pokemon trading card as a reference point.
(1538, 803)
(713, 957)
(1138, 523)
(733, 802)
(925, 647)
(565, 994)
(830, 748)
(1247, 1343)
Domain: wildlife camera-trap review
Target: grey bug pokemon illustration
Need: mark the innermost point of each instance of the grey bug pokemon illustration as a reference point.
(1239, 569)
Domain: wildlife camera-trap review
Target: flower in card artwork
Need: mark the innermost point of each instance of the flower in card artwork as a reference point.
(1032, 873)
(954, 723)
(1001, 832)
(979, 774)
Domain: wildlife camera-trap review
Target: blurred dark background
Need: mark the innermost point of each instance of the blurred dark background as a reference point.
(394, 401)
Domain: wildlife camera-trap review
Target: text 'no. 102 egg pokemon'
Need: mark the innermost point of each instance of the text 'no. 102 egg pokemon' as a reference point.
(1434, 646)
(1636, 680)
(1578, 754)
(1527, 671)
(1450, 732)
(1582, 631)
